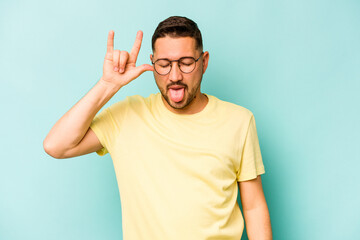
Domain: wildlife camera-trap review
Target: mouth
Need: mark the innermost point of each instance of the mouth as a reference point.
(176, 93)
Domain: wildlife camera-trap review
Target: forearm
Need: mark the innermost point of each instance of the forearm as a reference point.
(73, 125)
(258, 225)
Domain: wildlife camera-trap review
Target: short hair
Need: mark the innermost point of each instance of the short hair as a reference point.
(175, 27)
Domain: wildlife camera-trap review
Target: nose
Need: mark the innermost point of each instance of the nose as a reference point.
(175, 73)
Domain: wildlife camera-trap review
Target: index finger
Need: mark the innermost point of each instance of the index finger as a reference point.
(110, 45)
(136, 48)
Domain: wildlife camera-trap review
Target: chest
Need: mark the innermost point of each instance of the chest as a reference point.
(188, 149)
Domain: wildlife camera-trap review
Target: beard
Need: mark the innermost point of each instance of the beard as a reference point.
(189, 95)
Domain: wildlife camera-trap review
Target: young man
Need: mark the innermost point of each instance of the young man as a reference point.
(179, 155)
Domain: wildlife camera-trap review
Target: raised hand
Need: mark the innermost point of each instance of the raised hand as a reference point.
(119, 66)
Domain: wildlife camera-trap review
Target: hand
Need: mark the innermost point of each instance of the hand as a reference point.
(119, 66)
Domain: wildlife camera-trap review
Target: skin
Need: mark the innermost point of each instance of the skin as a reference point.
(173, 49)
(255, 210)
(119, 67)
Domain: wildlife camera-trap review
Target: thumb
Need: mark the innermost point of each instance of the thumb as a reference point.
(147, 67)
(143, 68)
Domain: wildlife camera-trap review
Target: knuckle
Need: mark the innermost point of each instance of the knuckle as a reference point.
(116, 55)
(124, 54)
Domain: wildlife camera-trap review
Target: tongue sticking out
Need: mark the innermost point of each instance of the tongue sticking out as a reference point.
(176, 95)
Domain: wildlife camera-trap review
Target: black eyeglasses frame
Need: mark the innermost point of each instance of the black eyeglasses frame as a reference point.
(178, 61)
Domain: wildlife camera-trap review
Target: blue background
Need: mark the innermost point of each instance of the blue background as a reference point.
(294, 64)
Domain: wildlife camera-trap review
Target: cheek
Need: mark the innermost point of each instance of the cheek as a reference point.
(198, 76)
(160, 82)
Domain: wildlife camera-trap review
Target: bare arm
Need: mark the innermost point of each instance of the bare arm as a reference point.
(256, 213)
(63, 140)
(71, 135)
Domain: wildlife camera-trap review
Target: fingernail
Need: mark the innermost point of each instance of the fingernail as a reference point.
(116, 69)
(121, 70)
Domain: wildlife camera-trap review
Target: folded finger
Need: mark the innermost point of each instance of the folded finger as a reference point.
(116, 57)
(124, 56)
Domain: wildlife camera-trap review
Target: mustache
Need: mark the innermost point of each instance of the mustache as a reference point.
(176, 84)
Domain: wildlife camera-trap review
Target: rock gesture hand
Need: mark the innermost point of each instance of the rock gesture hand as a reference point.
(119, 66)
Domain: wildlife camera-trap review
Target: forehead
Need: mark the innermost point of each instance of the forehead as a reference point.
(173, 48)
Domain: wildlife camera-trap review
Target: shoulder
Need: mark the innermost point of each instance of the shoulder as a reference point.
(134, 104)
(231, 109)
(136, 101)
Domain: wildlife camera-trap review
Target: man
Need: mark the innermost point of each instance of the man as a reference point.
(179, 155)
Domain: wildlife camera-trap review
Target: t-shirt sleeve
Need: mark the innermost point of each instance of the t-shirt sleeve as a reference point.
(251, 164)
(107, 124)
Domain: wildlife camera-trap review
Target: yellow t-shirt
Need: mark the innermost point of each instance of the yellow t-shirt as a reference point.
(177, 174)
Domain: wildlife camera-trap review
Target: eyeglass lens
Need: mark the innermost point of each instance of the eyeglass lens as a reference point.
(186, 65)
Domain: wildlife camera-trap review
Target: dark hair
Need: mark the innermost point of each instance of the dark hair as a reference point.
(176, 26)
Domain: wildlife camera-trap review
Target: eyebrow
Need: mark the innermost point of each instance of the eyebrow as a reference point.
(175, 59)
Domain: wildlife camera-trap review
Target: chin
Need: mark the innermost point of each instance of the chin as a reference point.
(179, 105)
(176, 105)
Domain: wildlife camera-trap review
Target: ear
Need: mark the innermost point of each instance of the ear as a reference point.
(151, 57)
(205, 60)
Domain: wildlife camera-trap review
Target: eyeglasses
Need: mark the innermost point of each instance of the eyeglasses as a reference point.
(186, 65)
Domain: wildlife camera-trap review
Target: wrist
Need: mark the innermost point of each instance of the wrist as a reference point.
(111, 87)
